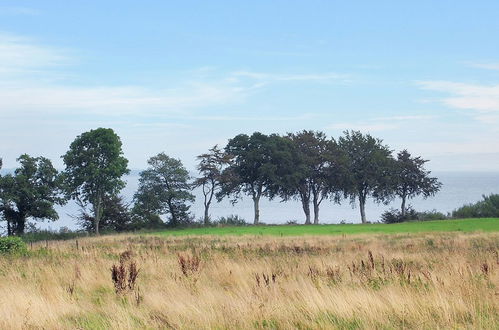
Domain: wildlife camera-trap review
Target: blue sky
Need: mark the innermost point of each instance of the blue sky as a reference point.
(181, 77)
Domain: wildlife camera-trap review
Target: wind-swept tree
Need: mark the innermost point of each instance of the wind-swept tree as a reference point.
(258, 162)
(369, 167)
(410, 179)
(30, 193)
(316, 171)
(164, 190)
(95, 166)
(210, 167)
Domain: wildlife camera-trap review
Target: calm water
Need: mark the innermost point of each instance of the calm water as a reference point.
(458, 188)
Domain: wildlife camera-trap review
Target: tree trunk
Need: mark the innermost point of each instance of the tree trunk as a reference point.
(316, 209)
(19, 225)
(306, 208)
(97, 214)
(256, 205)
(403, 206)
(316, 213)
(9, 229)
(362, 205)
(206, 215)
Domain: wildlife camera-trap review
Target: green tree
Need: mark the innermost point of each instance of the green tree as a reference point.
(164, 189)
(210, 167)
(316, 169)
(95, 166)
(259, 164)
(116, 216)
(30, 193)
(410, 179)
(369, 166)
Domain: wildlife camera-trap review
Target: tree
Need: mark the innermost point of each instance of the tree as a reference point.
(210, 168)
(95, 166)
(410, 179)
(315, 168)
(369, 165)
(258, 162)
(164, 189)
(31, 192)
(116, 216)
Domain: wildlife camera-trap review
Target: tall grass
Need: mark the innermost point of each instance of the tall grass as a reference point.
(439, 280)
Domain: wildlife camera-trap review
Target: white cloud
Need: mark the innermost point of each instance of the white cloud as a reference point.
(364, 126)
(481, 98)
(483, 65)
(272, 77)
(19, 11)
(21, 55)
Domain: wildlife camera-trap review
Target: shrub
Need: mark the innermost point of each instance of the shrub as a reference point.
(486, 208)
(395, 216)
(12, 245)
(231, 220)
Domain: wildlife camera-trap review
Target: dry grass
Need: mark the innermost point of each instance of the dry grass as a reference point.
(384, 281)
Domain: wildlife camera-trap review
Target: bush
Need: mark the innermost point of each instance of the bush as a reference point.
(231, 220)
(395, 216)
(12, 245)
(487, 208)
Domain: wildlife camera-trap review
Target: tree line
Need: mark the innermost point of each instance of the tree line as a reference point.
(307, 166)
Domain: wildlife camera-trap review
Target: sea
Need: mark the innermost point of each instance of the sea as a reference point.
(458, 188)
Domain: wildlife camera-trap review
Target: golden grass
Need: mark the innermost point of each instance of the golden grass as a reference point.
(384, 281)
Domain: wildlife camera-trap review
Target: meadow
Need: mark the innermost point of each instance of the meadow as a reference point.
(179, 279)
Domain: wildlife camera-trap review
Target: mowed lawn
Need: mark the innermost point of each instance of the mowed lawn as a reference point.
(461, 225)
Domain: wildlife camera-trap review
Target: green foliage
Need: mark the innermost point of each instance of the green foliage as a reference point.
(95, 166)
(315, 172)
(488, 207)
(116, 216)
(259, 163)
(12, 245)
(164, 189)
(396, 216)
(231, 220)
(410, 179)
(210, 168)
(369, 166)
(31, 192)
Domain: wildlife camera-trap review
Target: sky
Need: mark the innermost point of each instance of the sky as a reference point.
(182, 76)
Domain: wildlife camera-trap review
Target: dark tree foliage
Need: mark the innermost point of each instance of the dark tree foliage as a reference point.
(369, 167)
(164, 190)
(30, 193)
(95, 166)
(210, 167)
(410, 179)
(316, 171)
(258, 164)
(116, 216)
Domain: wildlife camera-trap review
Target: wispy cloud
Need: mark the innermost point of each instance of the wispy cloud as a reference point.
(477, 97)
(16, 10)
(20, 55)
(484, 65)
(266, 78)
(378, 124)
(367, 127)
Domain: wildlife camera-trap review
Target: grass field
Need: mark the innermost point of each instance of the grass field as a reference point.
(462, 225)
(426, 280)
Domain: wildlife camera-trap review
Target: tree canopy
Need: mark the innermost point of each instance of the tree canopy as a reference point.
(95, 166)
(31, 192)
(164, 189)
(369, 166)
(410, 179)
